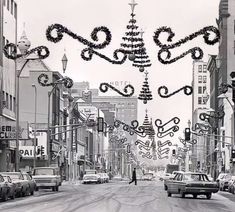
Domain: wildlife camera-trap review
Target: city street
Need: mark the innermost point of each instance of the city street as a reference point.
(117, 196)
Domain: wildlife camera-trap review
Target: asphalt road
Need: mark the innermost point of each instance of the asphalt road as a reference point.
(117, 197)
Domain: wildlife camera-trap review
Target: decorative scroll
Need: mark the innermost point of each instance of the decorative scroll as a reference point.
(184, 142)
(104, 88)
(133, 129)
(163, 91)
(162, 132)
(10, 51)
(196, 52)
(145, 155)
(215, 115)
(163, 152)
(87, 53)
(143, 145)
(43, 80)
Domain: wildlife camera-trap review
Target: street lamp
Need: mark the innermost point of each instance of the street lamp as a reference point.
(35, 121)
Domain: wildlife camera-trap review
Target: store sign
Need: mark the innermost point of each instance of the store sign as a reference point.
(119, 84)
(8, 130)
(26, 147)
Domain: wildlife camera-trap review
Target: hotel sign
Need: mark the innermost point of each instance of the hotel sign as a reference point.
(8, 131)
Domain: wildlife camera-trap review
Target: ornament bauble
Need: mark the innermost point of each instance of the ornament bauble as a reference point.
(131, 57)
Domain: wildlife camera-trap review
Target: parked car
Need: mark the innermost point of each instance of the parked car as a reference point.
(104, 177)
(91, 176)
(11, 186)
(47, 177)
(147, 176)
(223, 182)
(22, 186)
(3, 189)
(192, 183)
(31, 181)
(231, 185)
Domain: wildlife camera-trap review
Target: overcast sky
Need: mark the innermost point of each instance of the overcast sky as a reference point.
(81, 16)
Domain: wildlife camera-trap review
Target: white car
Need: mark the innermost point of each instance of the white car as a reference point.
(91, 176)
(104, 177)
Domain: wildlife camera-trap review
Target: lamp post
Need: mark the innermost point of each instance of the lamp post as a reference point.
(35, 121)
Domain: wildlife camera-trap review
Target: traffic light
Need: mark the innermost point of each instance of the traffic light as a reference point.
(173, 152)
(100, 124)
(187, 133)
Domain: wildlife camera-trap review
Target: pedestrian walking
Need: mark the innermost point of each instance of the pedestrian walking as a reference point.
(133, 177)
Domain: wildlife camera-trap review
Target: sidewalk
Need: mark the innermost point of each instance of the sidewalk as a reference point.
(227, 195)
(72, 182)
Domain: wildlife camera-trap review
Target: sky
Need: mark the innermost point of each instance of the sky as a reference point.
(184, 17)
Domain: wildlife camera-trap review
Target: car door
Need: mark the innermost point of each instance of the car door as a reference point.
(178, 183)
(172, 184)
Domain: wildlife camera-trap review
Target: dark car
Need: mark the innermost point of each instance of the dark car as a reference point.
(31, 182)
(3, 189)
(11, 187)
(192, 183)
(22, 186)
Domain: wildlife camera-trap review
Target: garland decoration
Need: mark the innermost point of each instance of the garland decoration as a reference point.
(10, 51)
(43, 80)
(196, 52)
(163, 91)
(215, 114)
(87, 53)
(145, 93)
(104, 88)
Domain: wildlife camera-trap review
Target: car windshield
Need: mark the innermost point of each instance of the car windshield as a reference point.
(14, 176)
(44, 172)
(196, 177)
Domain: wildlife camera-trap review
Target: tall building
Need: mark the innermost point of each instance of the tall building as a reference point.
(8, 26)
(200, 104)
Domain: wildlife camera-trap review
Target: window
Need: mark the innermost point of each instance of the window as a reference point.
(204, 69)
(10, 102)
(8, 4)
(14, 104)
(200, 90)
(200, 79)
(204, 79)
(200, 68)
(7, 101)
(12, 7)
(204, 89)
(199, 100)
(15, 10)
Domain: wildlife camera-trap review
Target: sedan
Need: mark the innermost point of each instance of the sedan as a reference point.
(11, 186)
(192, 183)
(3, 189)
(31, 182)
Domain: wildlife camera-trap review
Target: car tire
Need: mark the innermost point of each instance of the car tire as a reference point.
(208, 196)
(168, 194)
(182, 194)
(57, 188)
(195, 196)
(32, 192)
(165, 187)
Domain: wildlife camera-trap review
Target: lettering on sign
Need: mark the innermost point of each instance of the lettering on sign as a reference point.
(7, 131)
(28, 151)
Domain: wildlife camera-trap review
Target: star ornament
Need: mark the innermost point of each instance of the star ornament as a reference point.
(133, 4)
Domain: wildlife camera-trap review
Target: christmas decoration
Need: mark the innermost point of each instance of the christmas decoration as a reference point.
(163, 152)
(202, 128)
(215, 114)
(145, 93)
(145, 154)
(10, 51)
(143, 145)
(133, 43)
(43, 80)
(196, 52)
(188, 90)
(87, 53)
(104, 88)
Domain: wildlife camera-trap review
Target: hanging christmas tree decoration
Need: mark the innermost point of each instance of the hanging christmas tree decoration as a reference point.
(163, 91)
(132, 44)
(141, 58)
(196, 52)
(88, 52)
(104, 88)
(145, 93)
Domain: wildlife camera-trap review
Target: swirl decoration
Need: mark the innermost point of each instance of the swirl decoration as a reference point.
(196, 52)
(215, 115)
(43, 80)
(182, 141)
(162, 150)
(163, 91)
(87, 53)
(104, 88)
(133, 129)
(162, 132)
(10, 51)
(145, 154)
(143, 145)
(184, 150)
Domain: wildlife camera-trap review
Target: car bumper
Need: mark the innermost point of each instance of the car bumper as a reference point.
(90, 181)
(201, 190)
(44, 185)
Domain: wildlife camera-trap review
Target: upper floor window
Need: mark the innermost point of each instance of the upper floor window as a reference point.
(204, 79)
(200, 79)
(200, 90)
(200, 68)
(204, 68)
(199, 100)
(15, 10)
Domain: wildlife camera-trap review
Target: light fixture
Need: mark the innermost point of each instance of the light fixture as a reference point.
(64, 62)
